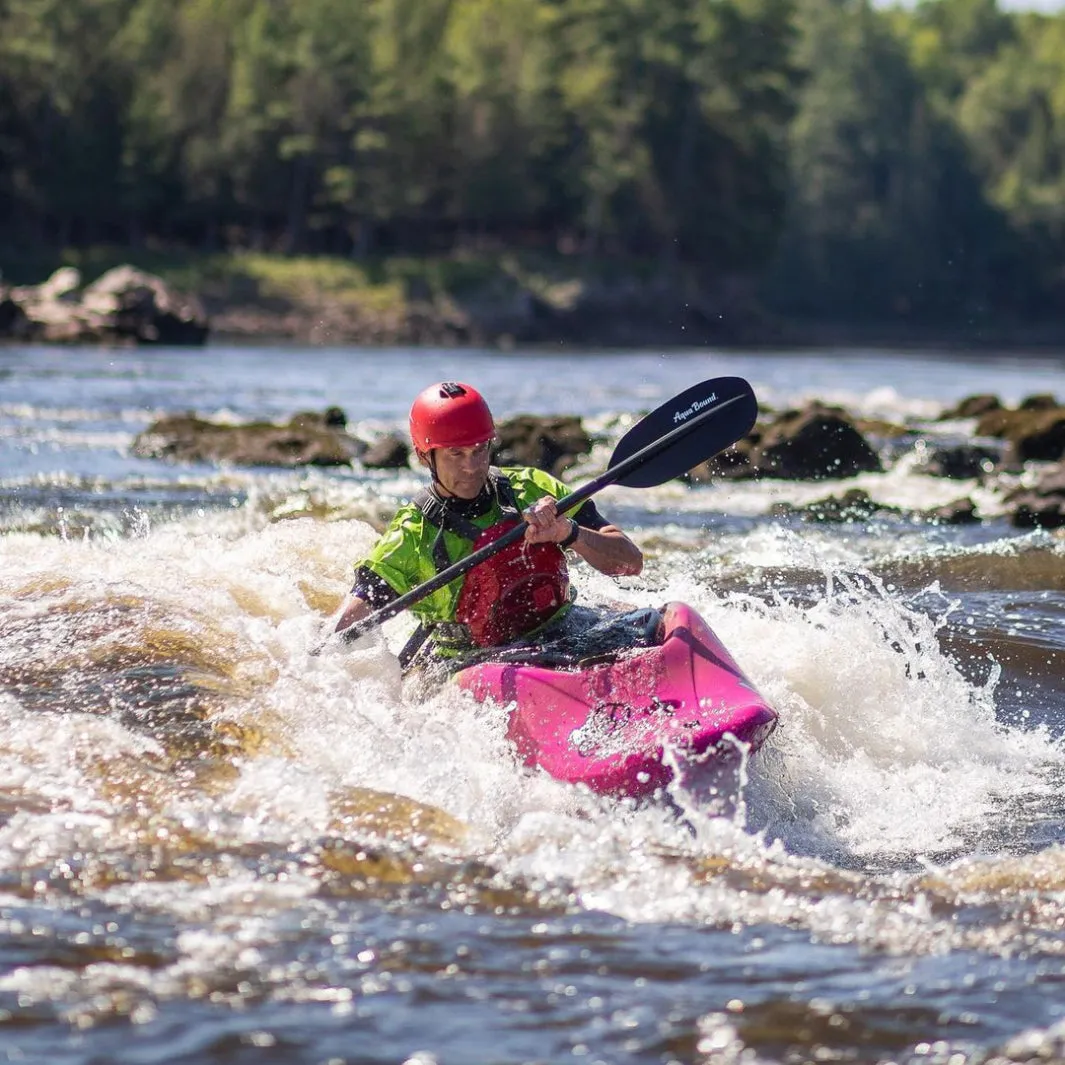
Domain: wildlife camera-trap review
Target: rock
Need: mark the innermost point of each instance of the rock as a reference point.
(1040, 401)
(1041, 506)
(960, 462)
(814, 443)
(957, 512)
(853, 505)
(389, 453)
(62, 284)
(856, 506)
(330, 418)
(125, 305)
(1032, 511)
(14, 325)
(878, 428)
(143, 307)
(335, 418)
(549, 443)
(187, 438)
(1037, 434)
(972, 407)
(733, 464)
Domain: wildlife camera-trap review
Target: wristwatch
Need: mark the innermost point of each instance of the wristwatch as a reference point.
(571, 537)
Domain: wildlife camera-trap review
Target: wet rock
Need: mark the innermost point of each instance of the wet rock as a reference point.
(391, 452)
(334, 418)
(854, 505)
(957, 512)
(1037, 434)
(549, 443)
(1039, 401)
(1042, 505)
(1032, 511)
(814, 443)
(733, 464)
(973, 407)
(301, 442)
(959, 462)
(125, 305)
(330, 418)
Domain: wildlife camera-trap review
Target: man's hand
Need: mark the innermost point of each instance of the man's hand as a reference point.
(608, 549)
(546, 525)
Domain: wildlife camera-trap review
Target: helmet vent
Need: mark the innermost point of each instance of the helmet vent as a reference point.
(451, 390)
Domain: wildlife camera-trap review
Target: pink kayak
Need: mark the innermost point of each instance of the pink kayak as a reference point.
(616, 725)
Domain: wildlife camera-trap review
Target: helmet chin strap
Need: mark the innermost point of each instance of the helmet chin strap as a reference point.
(438, 485)
(428, 458)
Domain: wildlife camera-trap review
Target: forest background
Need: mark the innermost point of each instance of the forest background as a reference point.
(768, 163)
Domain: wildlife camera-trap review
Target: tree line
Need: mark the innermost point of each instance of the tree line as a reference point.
(847, 160)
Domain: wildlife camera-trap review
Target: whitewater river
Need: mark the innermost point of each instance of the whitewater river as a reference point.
(217, 848)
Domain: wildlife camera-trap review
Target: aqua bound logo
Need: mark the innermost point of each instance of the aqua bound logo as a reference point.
(698, 405)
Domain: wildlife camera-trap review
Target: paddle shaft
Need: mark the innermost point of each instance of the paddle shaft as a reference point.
(464, 565)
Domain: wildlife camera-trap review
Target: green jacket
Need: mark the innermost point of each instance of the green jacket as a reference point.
(403, 556)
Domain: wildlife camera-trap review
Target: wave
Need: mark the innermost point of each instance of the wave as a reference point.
(160, 692)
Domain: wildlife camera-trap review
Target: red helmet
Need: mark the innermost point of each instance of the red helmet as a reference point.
(450, 414)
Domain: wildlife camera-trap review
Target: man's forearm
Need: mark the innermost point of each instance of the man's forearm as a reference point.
(609, 550)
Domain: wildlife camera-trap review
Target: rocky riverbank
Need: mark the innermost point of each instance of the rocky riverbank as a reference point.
(581, 314)
(336, 303)
(491, 303)
(123, 306)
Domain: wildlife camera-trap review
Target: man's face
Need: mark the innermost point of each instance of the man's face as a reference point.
(462, 471)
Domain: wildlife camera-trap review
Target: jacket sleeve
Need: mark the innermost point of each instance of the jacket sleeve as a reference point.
(373, 588)
(390, 566)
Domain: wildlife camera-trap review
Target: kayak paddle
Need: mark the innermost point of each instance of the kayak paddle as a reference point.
(688, 429)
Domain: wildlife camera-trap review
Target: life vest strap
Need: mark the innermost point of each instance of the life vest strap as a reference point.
(438, 513)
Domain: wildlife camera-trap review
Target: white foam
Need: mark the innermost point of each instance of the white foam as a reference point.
(884, 751)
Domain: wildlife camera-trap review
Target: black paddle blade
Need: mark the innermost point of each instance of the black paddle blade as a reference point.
(735, 410)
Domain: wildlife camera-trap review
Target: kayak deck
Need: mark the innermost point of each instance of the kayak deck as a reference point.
(616, 725)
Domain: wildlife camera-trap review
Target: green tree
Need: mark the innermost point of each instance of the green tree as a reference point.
(885, 215)
(64, 90)
(681, 110)
(951, 41)
(1013, 114)
(507, 115)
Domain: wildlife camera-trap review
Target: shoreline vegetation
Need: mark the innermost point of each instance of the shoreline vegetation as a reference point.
(659, 173)
(500, 299)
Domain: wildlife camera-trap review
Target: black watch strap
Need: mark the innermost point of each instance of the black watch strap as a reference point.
(571, 538)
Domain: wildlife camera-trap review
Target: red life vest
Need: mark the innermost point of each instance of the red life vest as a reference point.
(512, 593)
(515, 591)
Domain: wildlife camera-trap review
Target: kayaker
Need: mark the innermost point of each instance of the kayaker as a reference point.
(521, 591)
